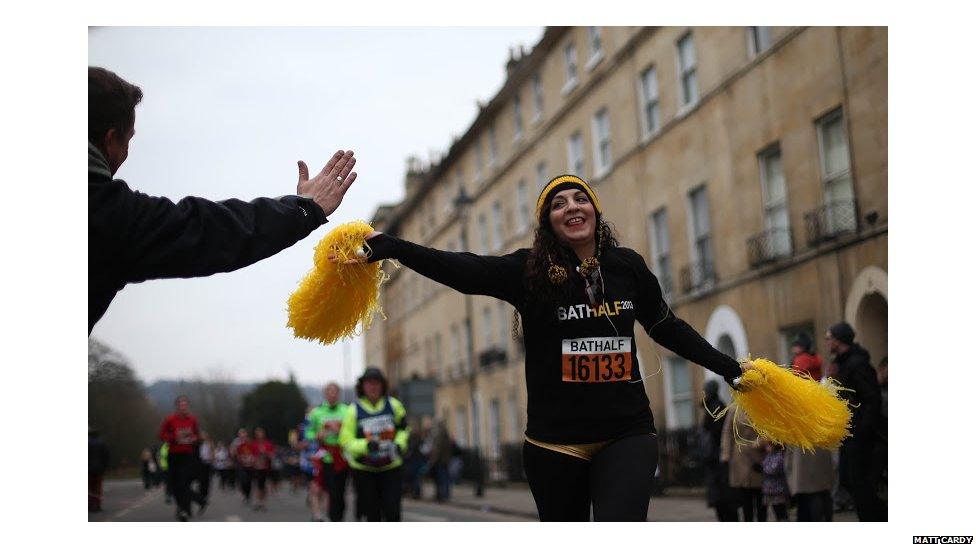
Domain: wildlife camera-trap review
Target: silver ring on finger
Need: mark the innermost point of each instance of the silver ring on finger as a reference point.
(338, 179)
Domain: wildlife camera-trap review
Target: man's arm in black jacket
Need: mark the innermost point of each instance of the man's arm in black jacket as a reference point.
(199, 237)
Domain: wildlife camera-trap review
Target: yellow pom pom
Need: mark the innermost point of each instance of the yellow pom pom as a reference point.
(790, 408)
(335, 299)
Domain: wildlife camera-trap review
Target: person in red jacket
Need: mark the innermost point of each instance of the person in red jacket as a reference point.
(264, 451)
(804, 359)
(182, 432)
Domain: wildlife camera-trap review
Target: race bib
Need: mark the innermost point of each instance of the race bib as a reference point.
(597, 359)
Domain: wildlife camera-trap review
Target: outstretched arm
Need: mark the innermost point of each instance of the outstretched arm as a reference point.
(197, 237)
(675, 334)
(499, 277)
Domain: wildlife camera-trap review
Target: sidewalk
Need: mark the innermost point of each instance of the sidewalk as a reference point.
(679, 505)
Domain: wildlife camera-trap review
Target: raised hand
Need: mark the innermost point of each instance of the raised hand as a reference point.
(330, 185)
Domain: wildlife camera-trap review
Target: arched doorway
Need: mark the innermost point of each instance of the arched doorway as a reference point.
(867, 311)
(726, 332)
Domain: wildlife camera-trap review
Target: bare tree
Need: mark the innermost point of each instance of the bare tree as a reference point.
(216, 402)
(118, 406)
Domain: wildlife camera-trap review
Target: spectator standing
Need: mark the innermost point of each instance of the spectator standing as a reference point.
(776, 492)
(718, 493)
(98, 457)
(860, 473)
(809, 474)
(745, 459)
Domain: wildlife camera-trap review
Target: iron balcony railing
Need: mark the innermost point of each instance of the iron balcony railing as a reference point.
(696, 276)
(494, 355)
(831, 221)
(769, 246)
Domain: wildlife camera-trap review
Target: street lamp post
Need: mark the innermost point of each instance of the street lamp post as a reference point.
(462, 204)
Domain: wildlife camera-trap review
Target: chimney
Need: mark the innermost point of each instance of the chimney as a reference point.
(414, 176)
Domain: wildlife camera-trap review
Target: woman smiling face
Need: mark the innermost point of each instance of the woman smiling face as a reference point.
(573, 217)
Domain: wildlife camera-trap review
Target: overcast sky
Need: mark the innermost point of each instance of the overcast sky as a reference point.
(226, 114)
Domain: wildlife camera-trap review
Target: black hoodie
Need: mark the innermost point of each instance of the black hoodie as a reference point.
(581, 368)
(134, 237)
(854, 372)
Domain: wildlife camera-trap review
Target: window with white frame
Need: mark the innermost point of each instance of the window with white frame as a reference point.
(522, 208)
(537, 96)
(483, 233)
(596, 47)
(575, 154)
(492, 147)
(661, 249)
(479, 159)
(452, 196)
(687, 70)
(701, 236)
(760, 38)
(541, 177)
(776, 216)
(601, 142)
(650, 98)
(476, 414)
(438, 356)
(681, 400)
(503, 325)
(517, 110)
(514, 419)
(497, 237)
(569, 58)
(835, 170)
(461, 426)
(487, 328)
(494, 428)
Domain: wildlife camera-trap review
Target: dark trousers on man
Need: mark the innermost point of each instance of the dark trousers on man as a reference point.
(860, 475)
(183, 469)
(335, 485)
(379, 494)
(815, 507)
(94, 491)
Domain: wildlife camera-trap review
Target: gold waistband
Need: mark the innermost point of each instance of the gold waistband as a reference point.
(581, 451)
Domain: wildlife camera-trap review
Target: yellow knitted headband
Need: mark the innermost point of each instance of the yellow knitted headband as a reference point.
(559, 181)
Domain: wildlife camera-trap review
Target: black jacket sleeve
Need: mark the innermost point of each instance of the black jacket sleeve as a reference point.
(499, 277)
(675, 334)
(862, 378)
(197, 237)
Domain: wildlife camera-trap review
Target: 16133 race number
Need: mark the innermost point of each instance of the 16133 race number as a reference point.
(597, 359)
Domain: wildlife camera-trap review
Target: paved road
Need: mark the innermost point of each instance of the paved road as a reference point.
(125, 500)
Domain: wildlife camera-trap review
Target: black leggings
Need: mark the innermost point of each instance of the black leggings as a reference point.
(378, 494)
(617, 482)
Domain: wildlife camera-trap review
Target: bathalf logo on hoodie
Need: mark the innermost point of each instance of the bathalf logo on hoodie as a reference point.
(582, 310)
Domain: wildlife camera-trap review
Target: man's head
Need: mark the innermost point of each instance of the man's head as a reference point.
(111, 114)
(840, 337)
(332, 393)
(182, 403)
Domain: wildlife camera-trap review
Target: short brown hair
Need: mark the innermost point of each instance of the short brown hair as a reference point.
(111, 103)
